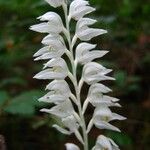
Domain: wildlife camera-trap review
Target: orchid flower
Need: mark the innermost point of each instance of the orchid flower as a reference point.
(85, 54)
(55, 3)
(79, 8)
(70, 146)
(104, 143)
(67, 106)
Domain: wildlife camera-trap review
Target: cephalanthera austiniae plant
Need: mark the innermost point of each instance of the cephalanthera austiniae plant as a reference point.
(56, 69)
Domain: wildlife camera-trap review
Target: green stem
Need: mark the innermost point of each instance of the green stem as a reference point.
(77, 89)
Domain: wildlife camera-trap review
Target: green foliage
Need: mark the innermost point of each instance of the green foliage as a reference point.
(120, 138)
(25, 103)
(3, 97)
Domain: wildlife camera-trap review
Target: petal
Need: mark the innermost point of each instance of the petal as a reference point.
(54, 21)
(105, 125)
(53, 40)
(117, 117)
(49, 55)
(79, 8)
(103, 142)
(70, 146)
(102, 112)
(87, 34)
(90, 56)
(50, 74)
(57, 62)
(53, 98)
(62, 110)
(84, 22)
(83, 48)
(94, 72)
(62, 130)
(42, 51)
(98, 88)
(60, 86)
(71, 123)
(55, 3)
(42, 28)
(51, 16)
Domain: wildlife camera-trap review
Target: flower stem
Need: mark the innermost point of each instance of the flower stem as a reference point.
(76, 86)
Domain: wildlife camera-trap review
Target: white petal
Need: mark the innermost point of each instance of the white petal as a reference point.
(90, 56)
(105, 125)
(51, 16)
(55, 3)
(117, 117)
(94, 72)
(103, 143)
(54, 24)
(51, 97)
(62, 110)
(62, 130)
(79, 8)
(42, 51)
(84, 22)
(109, 98)
(49, 55)
(55, 48)
(57, 62)
(98, 88)
(71, 123)
(54, 40)
(102, 112)
(50, 74)
(42, 28)
(87, 34)
(70, 146)
(84, 33)
(59, 86)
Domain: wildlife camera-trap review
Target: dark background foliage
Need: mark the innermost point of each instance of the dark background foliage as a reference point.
(21, 124)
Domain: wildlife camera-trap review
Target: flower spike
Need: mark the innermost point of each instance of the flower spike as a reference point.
(60, 44)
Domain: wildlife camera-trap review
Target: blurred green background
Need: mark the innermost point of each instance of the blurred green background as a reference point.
(21, 123)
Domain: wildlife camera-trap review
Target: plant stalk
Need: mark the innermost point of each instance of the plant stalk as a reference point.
(76, 86)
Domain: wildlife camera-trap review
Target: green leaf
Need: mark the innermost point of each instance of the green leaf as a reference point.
(3, 97)
(25, 103)
(120, 138)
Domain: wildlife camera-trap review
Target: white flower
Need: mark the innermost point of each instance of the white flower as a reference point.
(104, 143)
(79, 8)
(52, 97)
(57, 69)
(55, 3)
(59, 92)
(102, 117)
(54, 23)
(94, 72)
(84, 33)
(96, 97)
(55, 47)
(70, 146)
(84, 55)
(71, 123)
(61, 110)
(59, 86)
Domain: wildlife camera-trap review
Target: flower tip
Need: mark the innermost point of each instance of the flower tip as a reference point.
(36, 77)
(45, 110)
